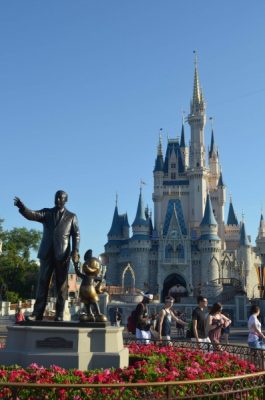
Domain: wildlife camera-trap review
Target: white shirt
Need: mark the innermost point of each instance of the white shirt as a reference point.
(253, 323)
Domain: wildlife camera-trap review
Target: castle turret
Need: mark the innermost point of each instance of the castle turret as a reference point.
(197, 120)
(183, 148)
(140, 245)
(213, 163)
(231, 219)
(232, 229)
(117, 236)
(158, 183)
(197, 172)
(245, 259)
(210, 247)
(140, 225)
(260, 241)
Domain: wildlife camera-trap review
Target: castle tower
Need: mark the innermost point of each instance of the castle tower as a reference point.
(183, 148)
(210, 247)
(113, 246)
(213, 164)
(232, 229)
(197, 172)
(260, 241)
(245, 258)
(140, 245)
(158, 174)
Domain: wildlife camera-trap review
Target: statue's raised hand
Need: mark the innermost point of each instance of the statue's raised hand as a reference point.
(18, 203)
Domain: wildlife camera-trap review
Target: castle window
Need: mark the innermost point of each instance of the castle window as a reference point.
(173, 175)
(173, 165)
(180, 250)
(168, 251)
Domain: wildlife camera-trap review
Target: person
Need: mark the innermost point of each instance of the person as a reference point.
(143, 322)
(226, 330)
(216, 321)
(255, 335)
(165, 317)
(59, 225)
(198, 331)
(19, 316)
(117, 317)
(180, 326)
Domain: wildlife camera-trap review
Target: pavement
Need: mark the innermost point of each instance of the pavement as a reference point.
(237, 335)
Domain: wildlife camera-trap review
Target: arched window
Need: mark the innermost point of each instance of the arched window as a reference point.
(168, 251)
(180, 251)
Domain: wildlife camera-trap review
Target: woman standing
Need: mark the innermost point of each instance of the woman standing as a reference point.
(165, 317)
(255, 335)
(215, 322)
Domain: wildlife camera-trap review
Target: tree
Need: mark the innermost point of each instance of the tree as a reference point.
(18, 271)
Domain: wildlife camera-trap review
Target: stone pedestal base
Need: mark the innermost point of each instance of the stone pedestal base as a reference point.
(65, 345)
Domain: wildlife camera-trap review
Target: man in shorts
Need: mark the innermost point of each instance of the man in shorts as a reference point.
(199, 322)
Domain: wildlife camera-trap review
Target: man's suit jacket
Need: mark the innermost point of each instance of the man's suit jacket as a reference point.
(56, 234)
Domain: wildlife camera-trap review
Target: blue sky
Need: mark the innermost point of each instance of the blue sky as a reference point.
(85, 87)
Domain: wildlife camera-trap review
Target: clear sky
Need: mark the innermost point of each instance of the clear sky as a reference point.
(86, 85)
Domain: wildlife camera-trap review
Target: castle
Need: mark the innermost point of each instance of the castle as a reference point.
(188, 249)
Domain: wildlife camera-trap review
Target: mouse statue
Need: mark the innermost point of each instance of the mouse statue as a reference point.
(90, 288)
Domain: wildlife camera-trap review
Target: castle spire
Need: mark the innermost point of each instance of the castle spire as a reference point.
(182, 139)
(261, 233)
(208, 218)
(244, 240)
(159, 163)
(220, 180)
(140, 218)
(196, 84)
(159, 147)
(197, 103)
(231, 219)
(213, 150)
(115, 226)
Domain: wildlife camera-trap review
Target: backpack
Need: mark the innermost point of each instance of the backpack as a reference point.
(131, 322)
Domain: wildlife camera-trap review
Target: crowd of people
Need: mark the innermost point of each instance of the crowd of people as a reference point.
(207, 325)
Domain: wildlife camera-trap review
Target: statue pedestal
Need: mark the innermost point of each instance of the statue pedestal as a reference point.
(66, 344)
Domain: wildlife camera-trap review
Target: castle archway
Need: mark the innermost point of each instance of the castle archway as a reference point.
(128, 279)
(175, 286)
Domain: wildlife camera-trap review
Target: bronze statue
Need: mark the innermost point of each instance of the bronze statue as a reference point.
(90, 288)
(59, 225)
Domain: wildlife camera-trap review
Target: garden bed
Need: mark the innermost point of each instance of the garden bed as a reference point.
(151, 371)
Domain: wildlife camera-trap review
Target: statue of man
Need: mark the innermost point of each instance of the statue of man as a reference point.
(59, 225)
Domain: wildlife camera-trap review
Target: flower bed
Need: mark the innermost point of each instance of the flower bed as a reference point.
(158, 364)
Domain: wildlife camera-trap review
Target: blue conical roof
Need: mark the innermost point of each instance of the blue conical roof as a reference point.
(212, 147)
(208, 218)
(118, 223)
(140, 218)
(115, 226)
(244, 240)
(182, 139)
(232, 219)
(220, 180)
(159, 164)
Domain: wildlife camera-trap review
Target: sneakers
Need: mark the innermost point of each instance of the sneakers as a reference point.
(58, 318)
(34, 318)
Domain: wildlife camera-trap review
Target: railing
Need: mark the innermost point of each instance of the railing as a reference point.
(255, 356)
(250, 386)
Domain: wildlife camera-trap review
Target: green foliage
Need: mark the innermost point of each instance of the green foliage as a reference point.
(18, 272)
